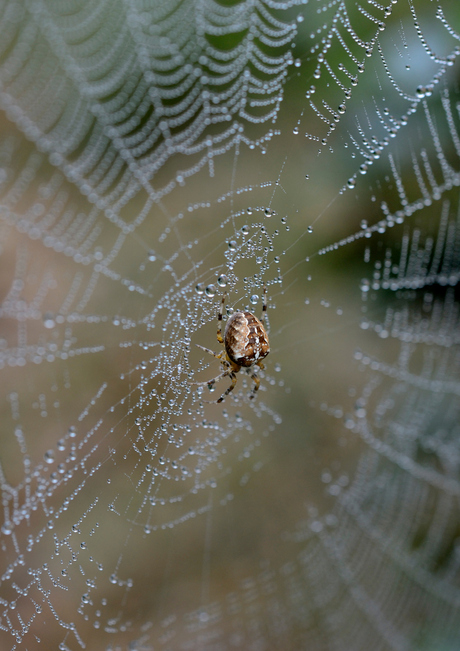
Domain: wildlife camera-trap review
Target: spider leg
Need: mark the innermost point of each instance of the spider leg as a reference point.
(220, 339)
(264, 306)
(256, 385)
(256, 380)
(211, 352)
(233, 377)
(210, 383)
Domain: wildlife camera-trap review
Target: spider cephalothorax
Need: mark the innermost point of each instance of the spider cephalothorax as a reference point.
(246, 344)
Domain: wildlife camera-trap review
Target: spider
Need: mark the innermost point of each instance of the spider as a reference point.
(246, 344)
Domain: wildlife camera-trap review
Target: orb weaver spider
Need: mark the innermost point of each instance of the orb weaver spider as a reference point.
(245, 344)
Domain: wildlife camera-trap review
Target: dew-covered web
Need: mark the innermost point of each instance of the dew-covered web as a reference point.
(156, 156)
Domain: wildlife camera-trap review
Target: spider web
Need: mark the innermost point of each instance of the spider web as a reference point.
(154, 156)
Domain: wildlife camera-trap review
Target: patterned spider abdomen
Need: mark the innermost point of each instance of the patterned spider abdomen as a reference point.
(245, 338)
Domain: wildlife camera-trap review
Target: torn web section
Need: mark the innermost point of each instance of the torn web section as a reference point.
(398, 519)
(367, 83)
(401, 509)
(403, 55)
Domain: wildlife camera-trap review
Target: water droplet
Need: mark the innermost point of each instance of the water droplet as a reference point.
(360, 410)
(232, 245)
(48, 320)
(254, 299)
(210, 290)
(222, 280)
(7, 528)
(152, 256)
(199, 288)
(365, 285)
(49, 456)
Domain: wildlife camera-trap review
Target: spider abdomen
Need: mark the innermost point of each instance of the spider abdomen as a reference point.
(245, 338)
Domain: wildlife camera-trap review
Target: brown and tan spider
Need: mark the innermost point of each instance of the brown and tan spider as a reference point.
(246, 344)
